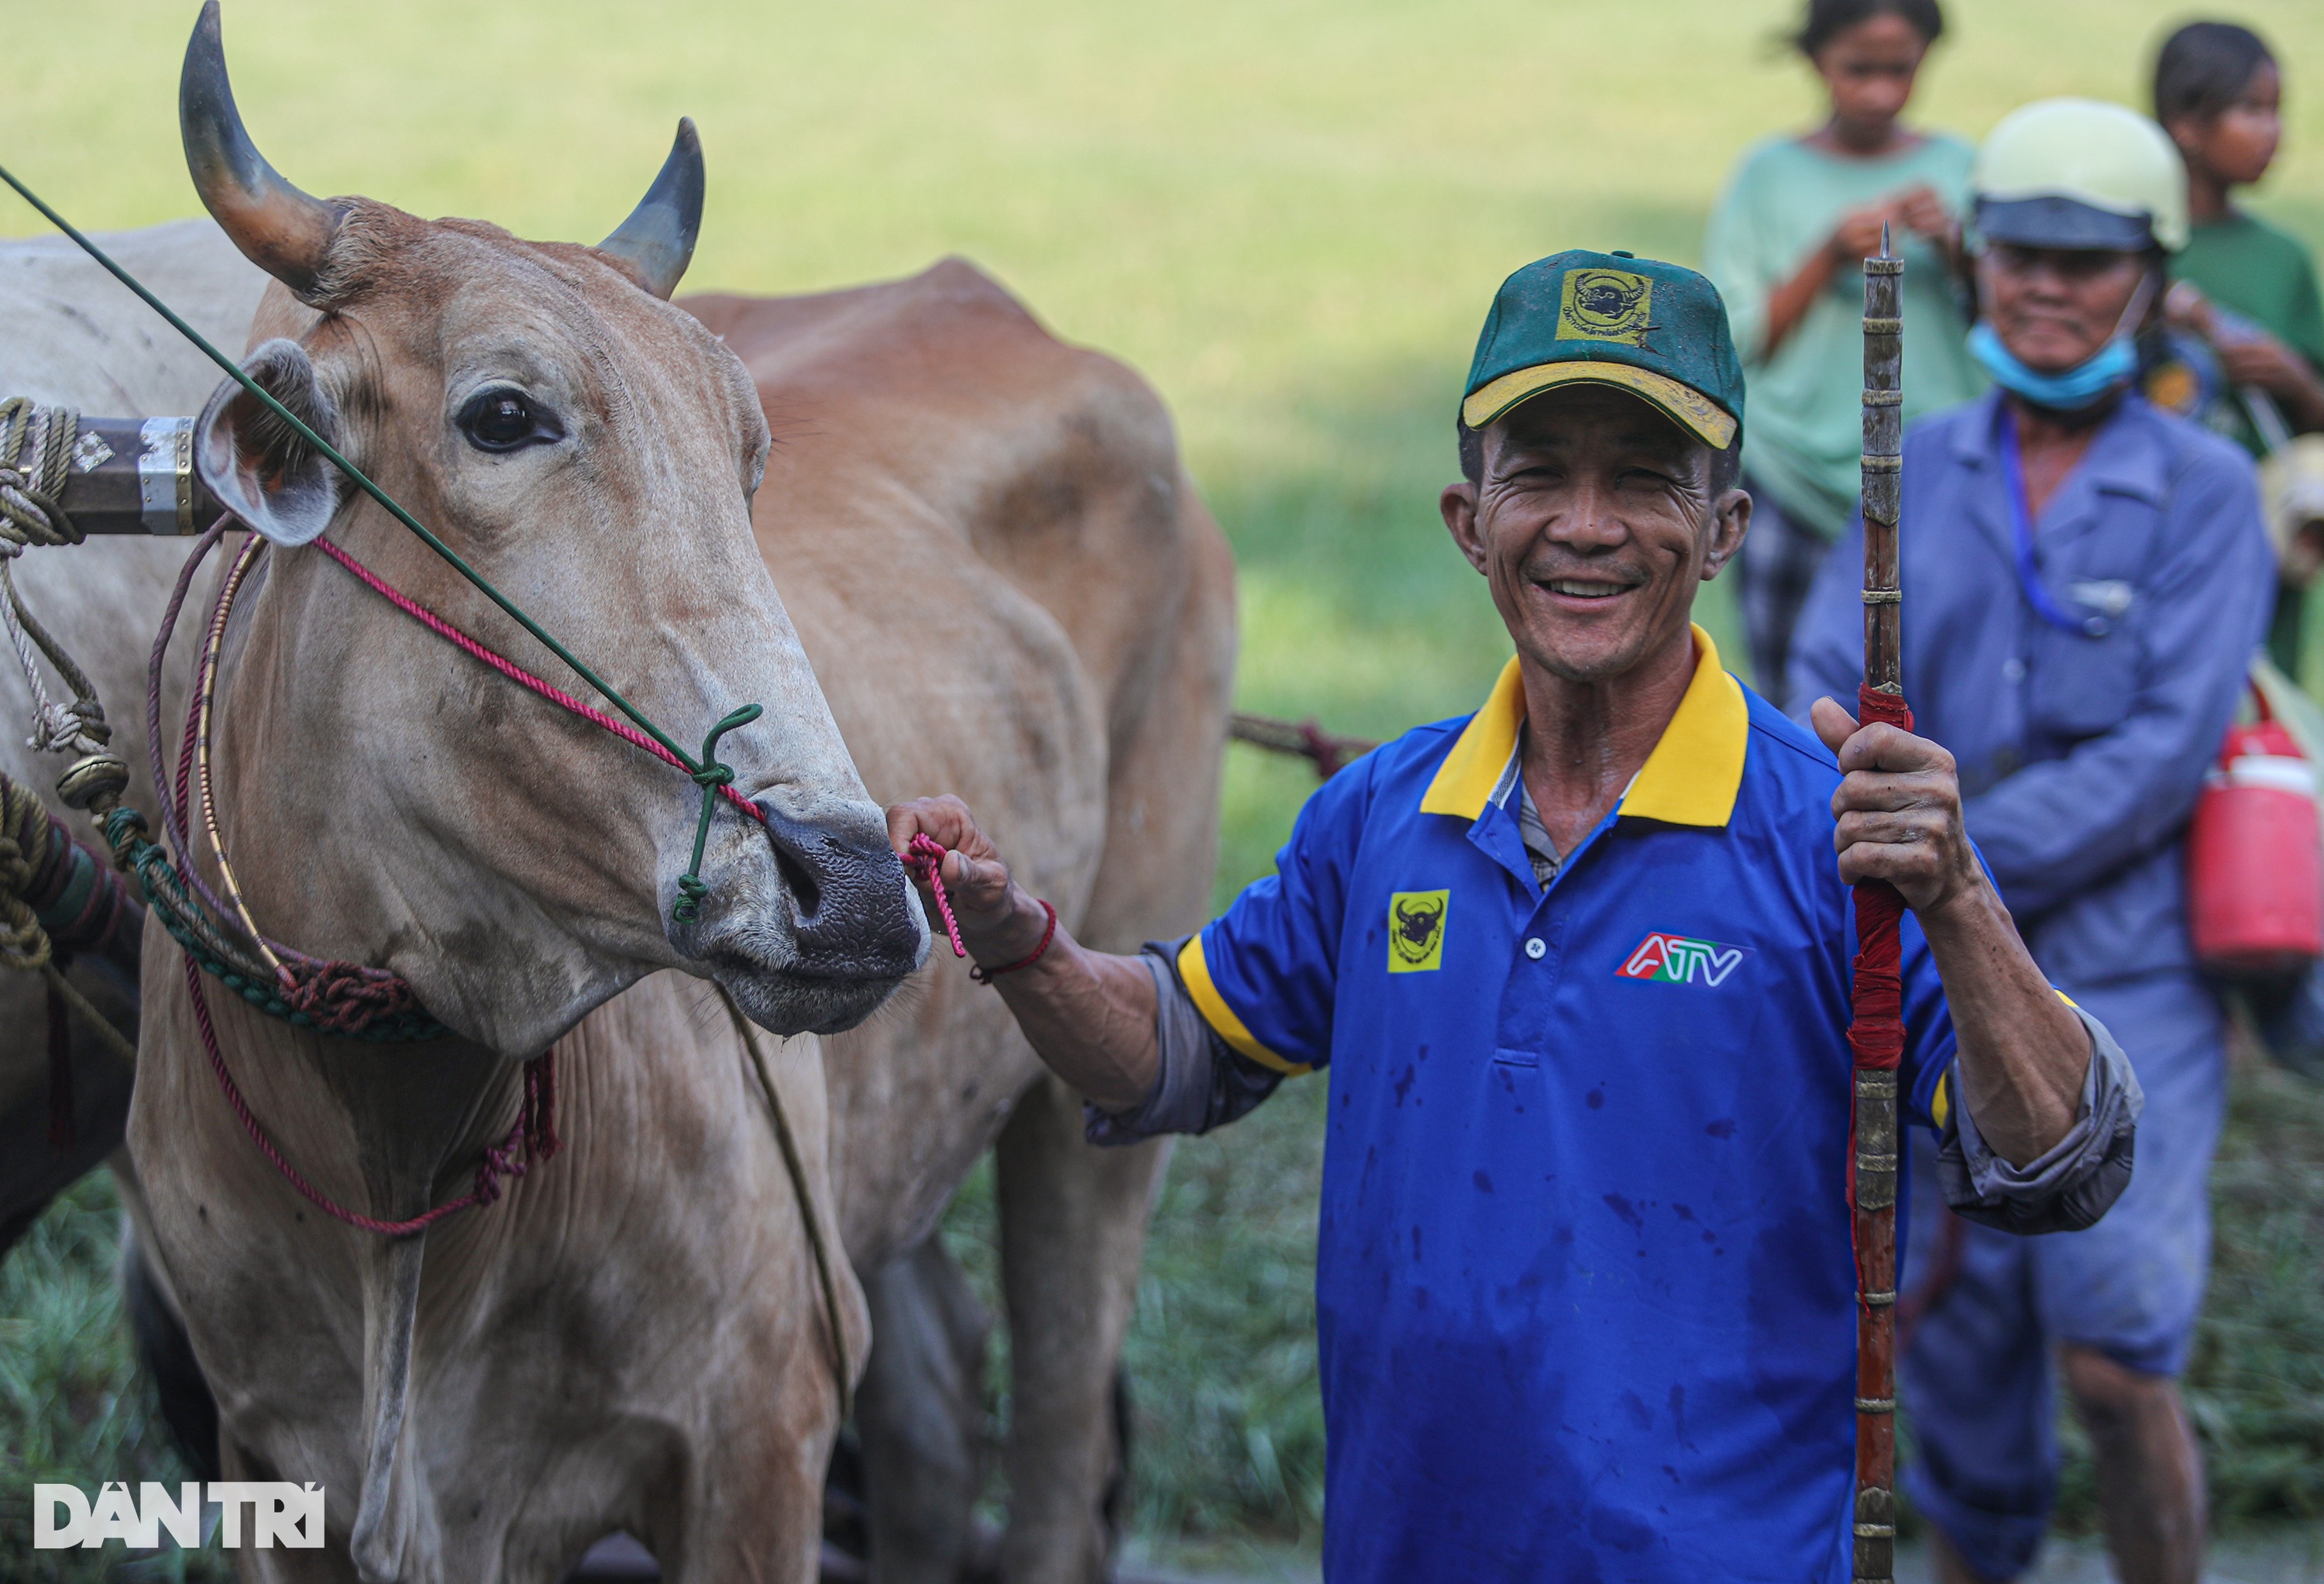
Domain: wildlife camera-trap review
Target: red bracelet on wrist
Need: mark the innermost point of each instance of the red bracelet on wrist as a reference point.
(984, 975)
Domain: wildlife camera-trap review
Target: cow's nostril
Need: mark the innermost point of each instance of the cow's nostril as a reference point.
(853, 914)
(807, 894)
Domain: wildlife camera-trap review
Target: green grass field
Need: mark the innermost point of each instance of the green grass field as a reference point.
(1290, 215)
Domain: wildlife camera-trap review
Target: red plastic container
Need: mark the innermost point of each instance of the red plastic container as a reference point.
(2255, 861)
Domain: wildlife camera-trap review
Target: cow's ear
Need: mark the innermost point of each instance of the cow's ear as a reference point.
(257, 466)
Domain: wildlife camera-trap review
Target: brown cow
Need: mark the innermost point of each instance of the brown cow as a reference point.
(1006, 588)
(1006, 583)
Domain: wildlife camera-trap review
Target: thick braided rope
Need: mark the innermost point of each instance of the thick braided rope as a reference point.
(530, 1143)
(35, 445)
(35, 449)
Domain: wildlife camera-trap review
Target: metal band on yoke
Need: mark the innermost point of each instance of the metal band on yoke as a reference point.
(165, 475)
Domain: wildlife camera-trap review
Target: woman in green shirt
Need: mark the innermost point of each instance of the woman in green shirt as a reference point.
(1785, 239)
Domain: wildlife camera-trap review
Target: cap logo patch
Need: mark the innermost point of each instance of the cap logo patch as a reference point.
(1415, 931)
(1604, 305)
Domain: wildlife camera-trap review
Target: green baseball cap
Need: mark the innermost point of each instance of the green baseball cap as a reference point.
(1653, 329)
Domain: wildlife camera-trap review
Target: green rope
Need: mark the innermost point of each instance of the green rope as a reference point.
(125, 830)
(712, 776)
(387, 501)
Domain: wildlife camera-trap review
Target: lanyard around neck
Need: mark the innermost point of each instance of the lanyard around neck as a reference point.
(2021, 529)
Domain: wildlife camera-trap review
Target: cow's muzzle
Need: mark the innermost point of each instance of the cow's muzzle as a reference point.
(815, 941)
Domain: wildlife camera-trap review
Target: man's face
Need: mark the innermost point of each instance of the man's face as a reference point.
(2055, 307)
(1593, 524)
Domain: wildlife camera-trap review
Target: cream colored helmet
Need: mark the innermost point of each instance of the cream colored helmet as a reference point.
(2080, 173)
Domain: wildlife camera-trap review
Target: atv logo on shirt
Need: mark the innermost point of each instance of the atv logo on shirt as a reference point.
(1680, 959)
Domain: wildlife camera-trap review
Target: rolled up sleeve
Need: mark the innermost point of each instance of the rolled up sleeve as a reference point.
(1203, 1083)
(2071, 1185)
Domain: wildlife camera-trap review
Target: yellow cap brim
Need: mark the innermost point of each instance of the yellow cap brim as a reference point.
(1689, 408)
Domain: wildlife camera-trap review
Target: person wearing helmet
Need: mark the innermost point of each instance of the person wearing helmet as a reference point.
(2085, 578)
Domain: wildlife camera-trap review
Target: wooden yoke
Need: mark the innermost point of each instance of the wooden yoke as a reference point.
(1877, 1033)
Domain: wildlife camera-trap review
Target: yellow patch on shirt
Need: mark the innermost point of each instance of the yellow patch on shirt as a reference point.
(1415, 931)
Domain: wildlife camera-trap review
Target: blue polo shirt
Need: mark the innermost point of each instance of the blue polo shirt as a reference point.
(1584, 1292)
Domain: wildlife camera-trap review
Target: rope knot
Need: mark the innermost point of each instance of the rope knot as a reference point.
(710, 777)
(343, 998)
(78, 727)
(36, 444)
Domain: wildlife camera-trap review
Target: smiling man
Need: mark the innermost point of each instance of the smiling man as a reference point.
(1579, 966)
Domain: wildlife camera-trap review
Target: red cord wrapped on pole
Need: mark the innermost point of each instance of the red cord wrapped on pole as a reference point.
(1877, 1033)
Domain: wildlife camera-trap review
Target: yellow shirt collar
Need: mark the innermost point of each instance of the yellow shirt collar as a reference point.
(1690, 779)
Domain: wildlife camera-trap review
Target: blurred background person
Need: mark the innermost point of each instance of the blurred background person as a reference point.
(2218, 93)
(2246, 288)
(1784, 243)
(2086, 579)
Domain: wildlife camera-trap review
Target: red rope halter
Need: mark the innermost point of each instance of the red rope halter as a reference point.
(531, 1142)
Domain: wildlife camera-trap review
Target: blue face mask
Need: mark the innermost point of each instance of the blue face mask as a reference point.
(2079, 387)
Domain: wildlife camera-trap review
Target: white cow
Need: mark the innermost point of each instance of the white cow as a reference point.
(70, 334)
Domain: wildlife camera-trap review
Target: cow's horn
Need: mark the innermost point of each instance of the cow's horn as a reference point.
(279, 228)
(657, 240)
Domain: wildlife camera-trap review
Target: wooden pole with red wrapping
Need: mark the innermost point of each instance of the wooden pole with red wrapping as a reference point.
(1876, 1036)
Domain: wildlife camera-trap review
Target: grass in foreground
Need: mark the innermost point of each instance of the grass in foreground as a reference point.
(73, 1408)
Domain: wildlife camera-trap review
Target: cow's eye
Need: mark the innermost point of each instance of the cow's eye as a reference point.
(502, 419)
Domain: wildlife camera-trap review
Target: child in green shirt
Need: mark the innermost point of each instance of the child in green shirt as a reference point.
(2218, 93)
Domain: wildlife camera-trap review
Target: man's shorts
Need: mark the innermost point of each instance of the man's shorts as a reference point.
(1976, 1372)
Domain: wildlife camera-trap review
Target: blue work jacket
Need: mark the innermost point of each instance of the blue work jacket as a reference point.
(1585, 1300)
(2081, 752)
